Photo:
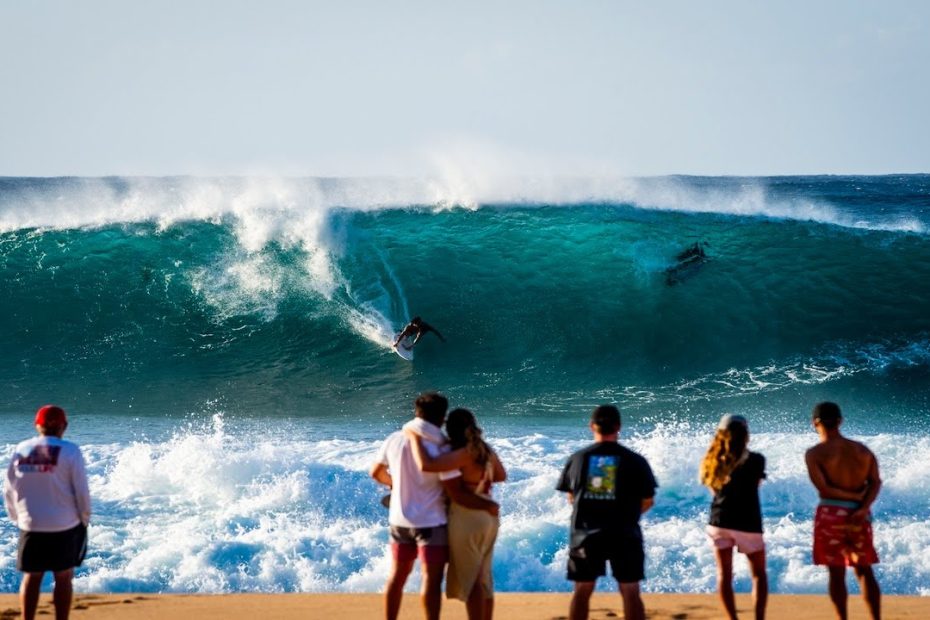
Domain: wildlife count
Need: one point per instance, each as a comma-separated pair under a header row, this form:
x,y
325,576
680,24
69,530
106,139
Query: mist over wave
x,y
288,208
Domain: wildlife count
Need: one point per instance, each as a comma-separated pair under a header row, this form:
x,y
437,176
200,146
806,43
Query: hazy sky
x,y
504,87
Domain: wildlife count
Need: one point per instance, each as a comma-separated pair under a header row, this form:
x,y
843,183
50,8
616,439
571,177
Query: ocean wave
x,y
552,305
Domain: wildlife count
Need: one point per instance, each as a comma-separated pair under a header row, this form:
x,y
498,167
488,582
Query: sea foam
x,y
225,510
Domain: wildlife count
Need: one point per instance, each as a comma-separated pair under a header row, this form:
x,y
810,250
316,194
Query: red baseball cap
x,y
51,416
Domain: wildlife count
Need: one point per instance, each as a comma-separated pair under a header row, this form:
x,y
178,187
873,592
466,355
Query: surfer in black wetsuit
x,y
687,262
692,253
416,327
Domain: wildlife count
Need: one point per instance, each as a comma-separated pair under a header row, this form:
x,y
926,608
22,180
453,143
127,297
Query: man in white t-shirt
x,y
45,493
417,516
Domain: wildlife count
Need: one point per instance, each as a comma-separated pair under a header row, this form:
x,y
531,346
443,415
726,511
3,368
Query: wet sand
x,y
508,607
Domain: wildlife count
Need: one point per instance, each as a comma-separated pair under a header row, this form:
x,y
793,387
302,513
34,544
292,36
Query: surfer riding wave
x,y
415,329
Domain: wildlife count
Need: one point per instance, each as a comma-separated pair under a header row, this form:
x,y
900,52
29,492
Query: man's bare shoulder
x,y
862,449
839,446
847,444
815,451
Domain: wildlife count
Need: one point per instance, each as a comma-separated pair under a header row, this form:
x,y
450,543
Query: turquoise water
x,y
223,348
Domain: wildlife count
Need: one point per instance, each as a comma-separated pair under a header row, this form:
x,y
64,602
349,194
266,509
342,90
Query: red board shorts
x,y
840,542
430,544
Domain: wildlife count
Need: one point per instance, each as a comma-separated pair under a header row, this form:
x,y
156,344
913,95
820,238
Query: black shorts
x,y
51,551
587,561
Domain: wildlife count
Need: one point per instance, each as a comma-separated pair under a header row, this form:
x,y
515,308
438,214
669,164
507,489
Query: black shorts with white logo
x,y
51,551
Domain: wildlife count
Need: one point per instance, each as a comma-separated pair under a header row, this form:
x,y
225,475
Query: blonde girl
x,y
734,474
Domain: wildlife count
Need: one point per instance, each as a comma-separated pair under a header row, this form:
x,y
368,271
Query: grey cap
x,y
729,419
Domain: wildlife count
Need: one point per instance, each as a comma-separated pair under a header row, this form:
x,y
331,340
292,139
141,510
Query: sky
x,y
357,88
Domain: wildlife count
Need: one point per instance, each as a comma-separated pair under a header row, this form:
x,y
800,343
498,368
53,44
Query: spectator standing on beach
x,y
845,473
45,493
609,487
734,474
417,512
472,529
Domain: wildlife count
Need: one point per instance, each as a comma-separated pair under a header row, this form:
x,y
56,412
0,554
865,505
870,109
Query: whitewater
x,y
222,346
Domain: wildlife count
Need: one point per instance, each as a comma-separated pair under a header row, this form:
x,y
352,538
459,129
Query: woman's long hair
x,y
464,433
726,452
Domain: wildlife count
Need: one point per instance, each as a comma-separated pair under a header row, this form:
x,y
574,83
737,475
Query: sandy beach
x,y
509,606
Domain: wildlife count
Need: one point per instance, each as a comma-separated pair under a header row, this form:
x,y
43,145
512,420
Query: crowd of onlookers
x,y
442,511
609,487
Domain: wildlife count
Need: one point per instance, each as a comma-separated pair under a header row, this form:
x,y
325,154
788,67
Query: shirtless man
x,y
845,473
417,327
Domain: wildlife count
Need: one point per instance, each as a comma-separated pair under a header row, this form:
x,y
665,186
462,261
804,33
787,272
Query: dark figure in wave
x,y
415,329
687,263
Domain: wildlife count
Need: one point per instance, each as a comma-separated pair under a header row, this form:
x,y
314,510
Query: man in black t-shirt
x,y
609,487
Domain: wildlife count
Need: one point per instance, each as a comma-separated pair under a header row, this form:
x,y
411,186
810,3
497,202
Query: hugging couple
x,y
427,472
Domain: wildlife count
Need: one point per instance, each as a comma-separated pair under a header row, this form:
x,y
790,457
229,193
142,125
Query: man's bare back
x,y
845,465
843,469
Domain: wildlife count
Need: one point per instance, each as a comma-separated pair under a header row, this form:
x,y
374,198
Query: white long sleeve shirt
x,y
45,488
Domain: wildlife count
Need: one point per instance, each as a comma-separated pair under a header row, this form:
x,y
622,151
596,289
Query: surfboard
x,y
404,349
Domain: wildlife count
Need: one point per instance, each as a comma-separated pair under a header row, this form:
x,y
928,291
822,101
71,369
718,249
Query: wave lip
x,y
290,208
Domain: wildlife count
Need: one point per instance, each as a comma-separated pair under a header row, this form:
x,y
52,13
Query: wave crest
x,y
290,210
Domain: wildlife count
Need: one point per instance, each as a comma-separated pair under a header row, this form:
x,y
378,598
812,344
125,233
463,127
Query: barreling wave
x,y
198,289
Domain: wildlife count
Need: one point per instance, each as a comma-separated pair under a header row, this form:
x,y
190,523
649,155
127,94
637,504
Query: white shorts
x,y
746,542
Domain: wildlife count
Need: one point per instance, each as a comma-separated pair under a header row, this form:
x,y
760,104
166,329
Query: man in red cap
x,y
45,493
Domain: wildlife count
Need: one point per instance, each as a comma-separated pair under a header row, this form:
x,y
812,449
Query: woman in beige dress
x,y
472,533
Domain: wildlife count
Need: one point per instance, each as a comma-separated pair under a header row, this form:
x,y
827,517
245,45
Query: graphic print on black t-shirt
x,y
601,482
608,483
